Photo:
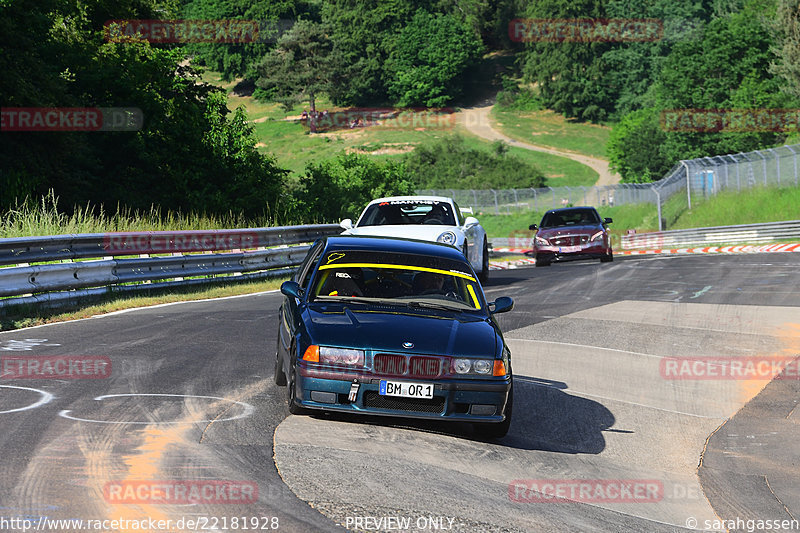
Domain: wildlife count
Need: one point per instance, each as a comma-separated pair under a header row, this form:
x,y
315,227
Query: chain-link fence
x,y
703,177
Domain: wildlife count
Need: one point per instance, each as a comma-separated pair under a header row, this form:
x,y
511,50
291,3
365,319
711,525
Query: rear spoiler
x,y
466,210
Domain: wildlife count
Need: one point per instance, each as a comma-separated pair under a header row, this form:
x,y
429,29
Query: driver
x,y
437,215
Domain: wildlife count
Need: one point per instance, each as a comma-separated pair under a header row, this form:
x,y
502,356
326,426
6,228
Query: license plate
x,y
406,389
570,249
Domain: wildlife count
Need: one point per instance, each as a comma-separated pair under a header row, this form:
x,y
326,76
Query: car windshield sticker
x,y
335,256
399,267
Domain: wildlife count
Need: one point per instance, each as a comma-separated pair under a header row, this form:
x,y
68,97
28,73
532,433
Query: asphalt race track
x,y
190,396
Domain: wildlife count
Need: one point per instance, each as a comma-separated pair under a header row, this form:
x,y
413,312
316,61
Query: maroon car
x,y
571,233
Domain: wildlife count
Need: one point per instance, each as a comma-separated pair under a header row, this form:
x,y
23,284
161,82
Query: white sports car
x,y
427,218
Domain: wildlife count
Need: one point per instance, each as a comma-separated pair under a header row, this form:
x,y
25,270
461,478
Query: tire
x,y
484,275
490,431
541,262
291,391
280,376
608,257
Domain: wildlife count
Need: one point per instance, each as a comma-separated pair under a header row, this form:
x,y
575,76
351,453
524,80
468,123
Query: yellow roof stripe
x,y
399,267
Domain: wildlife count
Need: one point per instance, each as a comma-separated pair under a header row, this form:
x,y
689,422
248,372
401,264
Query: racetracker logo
x,y
55,367
400,118
585,30
71,119
586,490
195,31
189,241
730,120
730,368
180,492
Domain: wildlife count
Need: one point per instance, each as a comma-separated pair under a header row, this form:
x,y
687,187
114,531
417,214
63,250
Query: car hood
x,y
424,232
589,229
431,333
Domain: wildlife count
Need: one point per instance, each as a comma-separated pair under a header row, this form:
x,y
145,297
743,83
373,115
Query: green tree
x,y
300,67
341,187
235,60
634,147
428,59
786,31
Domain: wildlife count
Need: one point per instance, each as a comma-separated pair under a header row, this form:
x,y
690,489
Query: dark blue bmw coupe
x,y
393,327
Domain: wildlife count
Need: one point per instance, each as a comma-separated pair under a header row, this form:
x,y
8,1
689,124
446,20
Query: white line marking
x,y
46,397
592,347
248,409
581,393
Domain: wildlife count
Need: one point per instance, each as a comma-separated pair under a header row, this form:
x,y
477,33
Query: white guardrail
x,y
52,269
740,234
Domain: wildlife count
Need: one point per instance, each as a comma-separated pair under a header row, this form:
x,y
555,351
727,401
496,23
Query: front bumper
x,y
558,253
453,399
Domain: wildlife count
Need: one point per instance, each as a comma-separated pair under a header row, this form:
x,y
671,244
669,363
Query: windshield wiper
x,y
431,305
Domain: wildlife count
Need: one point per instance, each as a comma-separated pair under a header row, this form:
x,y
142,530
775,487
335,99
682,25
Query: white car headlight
x,y
542,242
597,236
341,356
448,237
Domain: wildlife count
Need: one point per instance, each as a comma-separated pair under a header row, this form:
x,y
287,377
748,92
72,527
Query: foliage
x,y
726,68
301,66
341,187
450,164
634,147
786,29
428,58
515,97
186,157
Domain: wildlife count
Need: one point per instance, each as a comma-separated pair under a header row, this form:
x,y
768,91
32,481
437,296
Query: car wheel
x,y
486,430
291,392
484,275
280,376
608,257
541,261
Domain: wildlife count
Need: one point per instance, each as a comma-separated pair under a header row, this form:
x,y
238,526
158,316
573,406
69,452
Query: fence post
x,y
658,203
496,207
688,188
516,200
794,156
554,197
777,165
475,197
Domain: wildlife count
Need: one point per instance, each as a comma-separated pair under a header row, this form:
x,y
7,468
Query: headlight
x,y
598,235
541,242
341,356
483,367
448,237
472,366
462,366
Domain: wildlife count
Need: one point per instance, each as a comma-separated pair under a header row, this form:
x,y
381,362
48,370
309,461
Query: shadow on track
x,y
545,418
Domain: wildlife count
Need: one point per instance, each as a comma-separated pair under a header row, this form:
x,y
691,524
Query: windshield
x,y
400,212
570,217
402,279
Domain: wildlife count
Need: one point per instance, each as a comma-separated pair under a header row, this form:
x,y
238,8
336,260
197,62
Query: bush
x,y
449,163
341,187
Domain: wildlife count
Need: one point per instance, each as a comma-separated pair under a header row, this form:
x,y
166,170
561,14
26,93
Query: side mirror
x,y
608,220
501,305
533,227
346,224
292,288
470,221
